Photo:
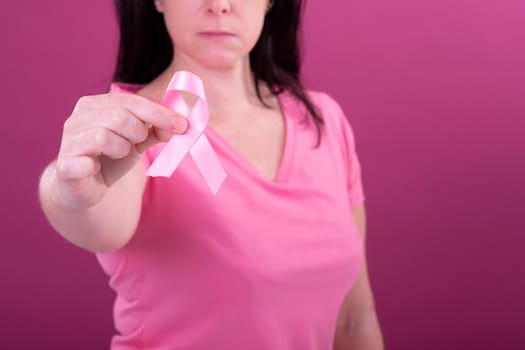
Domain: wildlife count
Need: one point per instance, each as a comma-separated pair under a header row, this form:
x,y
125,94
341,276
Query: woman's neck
x,y
229,92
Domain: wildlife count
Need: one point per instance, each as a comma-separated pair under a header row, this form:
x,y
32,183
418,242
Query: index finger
x,y
148,111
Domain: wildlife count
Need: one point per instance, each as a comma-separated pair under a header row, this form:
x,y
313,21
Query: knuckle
x,y
84,102
118,118
68,124
118,149
63,169
100,137
117,98
134,103
60,167
123,149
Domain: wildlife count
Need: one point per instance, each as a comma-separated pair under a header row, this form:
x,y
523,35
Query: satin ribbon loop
x,y
193,141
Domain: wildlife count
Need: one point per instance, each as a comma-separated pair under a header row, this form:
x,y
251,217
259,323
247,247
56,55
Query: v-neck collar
x,y
284,167
285,163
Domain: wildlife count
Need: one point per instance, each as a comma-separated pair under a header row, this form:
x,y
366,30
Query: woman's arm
x,y
92,193
357,326
103,227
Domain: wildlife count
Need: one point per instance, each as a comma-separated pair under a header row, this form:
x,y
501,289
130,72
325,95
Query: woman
x,y
274,260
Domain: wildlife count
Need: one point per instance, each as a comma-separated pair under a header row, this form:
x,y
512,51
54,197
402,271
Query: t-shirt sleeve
x,y
355,182
347,144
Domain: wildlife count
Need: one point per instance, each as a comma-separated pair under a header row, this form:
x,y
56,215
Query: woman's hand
x,y
102,140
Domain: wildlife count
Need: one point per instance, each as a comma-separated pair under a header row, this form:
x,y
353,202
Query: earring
x,y
270,5
158,6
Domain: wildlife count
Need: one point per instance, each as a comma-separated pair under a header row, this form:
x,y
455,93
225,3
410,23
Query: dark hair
x,y
146,49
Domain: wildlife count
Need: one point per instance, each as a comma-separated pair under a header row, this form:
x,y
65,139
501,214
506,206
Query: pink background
x,y
436,94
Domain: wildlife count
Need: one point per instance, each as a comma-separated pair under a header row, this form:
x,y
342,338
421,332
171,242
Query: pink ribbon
x,y
194,140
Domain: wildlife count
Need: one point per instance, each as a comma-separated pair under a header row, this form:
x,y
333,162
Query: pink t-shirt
x,y
262,264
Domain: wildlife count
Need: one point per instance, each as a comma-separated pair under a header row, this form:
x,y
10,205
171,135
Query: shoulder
x,y
337,125
326,106
324,102
334,117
